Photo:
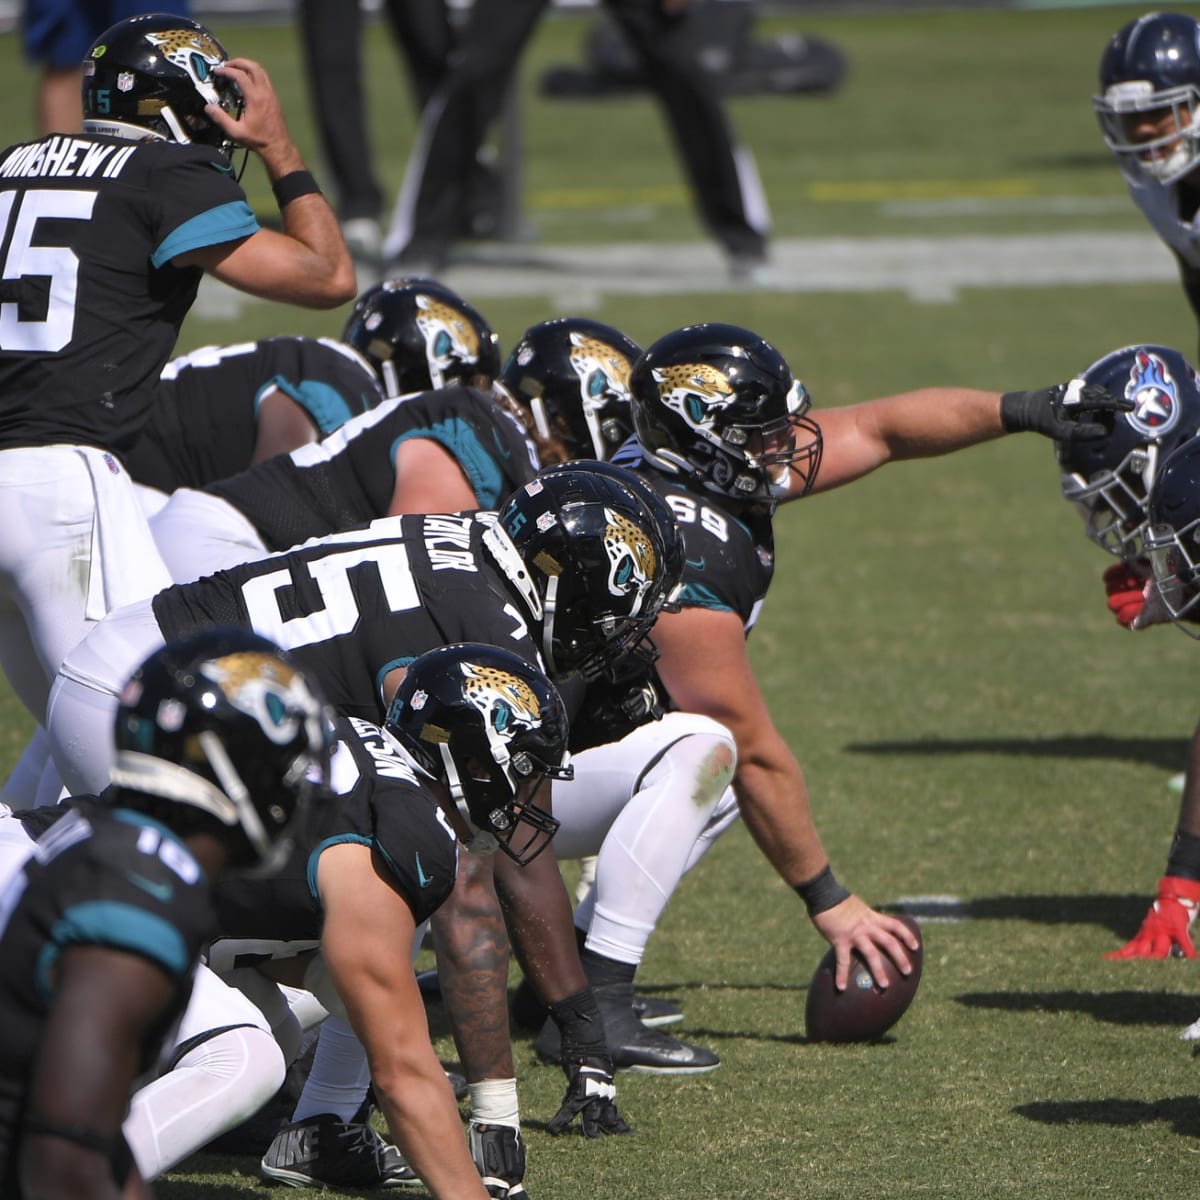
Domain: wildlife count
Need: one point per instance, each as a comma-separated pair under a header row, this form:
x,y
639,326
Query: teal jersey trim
x,y
310,873
225,223
478,465
382,673
696,595
326,405
116,925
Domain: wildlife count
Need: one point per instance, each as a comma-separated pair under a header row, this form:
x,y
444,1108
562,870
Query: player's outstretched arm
x,y
770,786
932,421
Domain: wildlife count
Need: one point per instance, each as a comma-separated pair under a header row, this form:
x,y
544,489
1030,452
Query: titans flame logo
x,y
1154,394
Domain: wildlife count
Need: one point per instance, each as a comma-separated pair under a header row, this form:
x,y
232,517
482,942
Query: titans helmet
x,y
152,76
490,727
1108,479
719,405
417,334
596,561
572,375
1149,97
221,725
1173,535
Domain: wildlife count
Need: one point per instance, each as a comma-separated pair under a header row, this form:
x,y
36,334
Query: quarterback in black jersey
x,y
108,234
219,745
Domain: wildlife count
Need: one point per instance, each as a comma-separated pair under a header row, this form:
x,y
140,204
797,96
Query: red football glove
x,y
1125,586
1164,932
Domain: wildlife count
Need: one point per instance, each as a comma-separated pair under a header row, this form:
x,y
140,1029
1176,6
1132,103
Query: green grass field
x,y
936,649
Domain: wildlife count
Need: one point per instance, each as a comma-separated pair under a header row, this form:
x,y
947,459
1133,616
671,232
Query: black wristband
x,y
294,184
822,892
1184,859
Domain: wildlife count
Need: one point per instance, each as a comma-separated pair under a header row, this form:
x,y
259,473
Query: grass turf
x,y
935,649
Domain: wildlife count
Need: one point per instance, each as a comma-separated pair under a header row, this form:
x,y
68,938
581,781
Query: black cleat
x,y
322,1151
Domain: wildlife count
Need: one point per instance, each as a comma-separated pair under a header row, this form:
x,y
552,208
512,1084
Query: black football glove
x,y
592,1095
499,1154
1068,412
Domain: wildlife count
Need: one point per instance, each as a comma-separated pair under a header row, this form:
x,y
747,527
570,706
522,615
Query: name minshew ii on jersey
x,y
90,306
353,606
99,876
348,477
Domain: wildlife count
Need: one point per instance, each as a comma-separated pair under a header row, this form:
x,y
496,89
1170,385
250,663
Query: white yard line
x,y
927,269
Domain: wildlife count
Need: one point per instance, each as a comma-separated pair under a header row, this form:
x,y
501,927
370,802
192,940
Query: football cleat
x,y
322,1151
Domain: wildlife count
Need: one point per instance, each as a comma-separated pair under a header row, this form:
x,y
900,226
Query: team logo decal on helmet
x,y
696,391
193,51
603,371
508,704
450,339
266,689
632,560
1154,394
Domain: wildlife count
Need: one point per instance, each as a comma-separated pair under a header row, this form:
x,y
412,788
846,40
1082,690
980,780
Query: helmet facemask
x,y
1127,107
1175,557
1112,504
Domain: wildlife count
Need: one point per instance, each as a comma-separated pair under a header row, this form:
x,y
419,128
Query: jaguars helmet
x,y
1108,479
595,558
719,405
490,727
151,76
229,735
572,375
1150,71
417,334
1173,535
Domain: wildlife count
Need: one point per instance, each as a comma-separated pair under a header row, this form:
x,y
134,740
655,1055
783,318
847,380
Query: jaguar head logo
x,y
696,391
450,339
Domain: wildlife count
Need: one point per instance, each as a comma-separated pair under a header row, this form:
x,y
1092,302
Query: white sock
x,y
339,1077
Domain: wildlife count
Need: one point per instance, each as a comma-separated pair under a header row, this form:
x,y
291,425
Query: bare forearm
x,y
473,952
537,911
774,805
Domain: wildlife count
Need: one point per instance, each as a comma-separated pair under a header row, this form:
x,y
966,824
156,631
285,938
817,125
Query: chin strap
x,y
481,842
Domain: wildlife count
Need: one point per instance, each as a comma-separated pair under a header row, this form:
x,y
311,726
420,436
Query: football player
x,y
1148,105
452,445
220,742
1109,481
141,205
470,734
724,433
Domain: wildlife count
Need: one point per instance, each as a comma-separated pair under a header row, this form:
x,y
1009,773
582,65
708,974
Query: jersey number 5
x,y
19,216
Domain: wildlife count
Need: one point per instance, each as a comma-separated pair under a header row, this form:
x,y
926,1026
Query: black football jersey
x,y
377,800
96,877
348,478
352,606
729,559
90,305
204,421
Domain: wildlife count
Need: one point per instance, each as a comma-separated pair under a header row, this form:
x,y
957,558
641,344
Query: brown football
x,y
863,1012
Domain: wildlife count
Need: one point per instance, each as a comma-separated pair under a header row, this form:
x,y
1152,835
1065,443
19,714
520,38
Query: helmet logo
x,y
696,391
194,52
267,690
125,81
631,559
1155,396
508,703
603,371
450,339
